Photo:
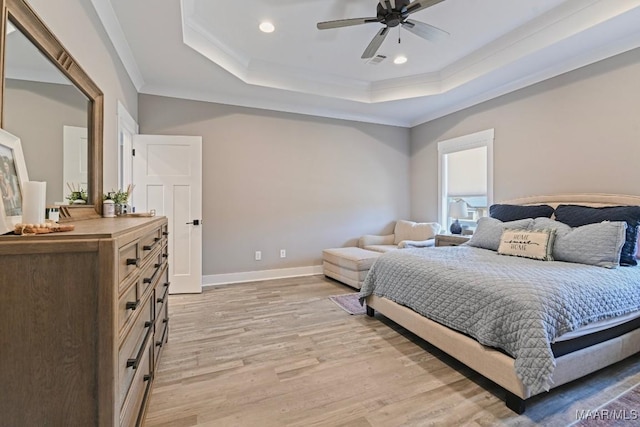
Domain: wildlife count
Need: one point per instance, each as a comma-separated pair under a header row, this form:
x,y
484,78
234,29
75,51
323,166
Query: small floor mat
x,y
349,303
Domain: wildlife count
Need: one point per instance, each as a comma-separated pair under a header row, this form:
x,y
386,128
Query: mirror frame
x,y
26,20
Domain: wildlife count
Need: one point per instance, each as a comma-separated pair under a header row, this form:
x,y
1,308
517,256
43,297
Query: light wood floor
x,y
280,353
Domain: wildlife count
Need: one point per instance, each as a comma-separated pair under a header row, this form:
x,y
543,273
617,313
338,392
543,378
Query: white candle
x,y
34,202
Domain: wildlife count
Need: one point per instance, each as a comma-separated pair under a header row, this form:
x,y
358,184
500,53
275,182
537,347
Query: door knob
x,y
194,222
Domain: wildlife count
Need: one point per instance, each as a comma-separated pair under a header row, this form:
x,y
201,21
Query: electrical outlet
x,y
258,255
283,253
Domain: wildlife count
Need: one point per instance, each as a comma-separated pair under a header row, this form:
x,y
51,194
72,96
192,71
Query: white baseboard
x,y
252,276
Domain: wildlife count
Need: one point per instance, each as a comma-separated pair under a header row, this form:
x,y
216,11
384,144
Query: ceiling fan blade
x,y
375,44
426,31
387,4
344,23
421,4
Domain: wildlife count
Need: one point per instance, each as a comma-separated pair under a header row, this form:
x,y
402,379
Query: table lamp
x,y
457,210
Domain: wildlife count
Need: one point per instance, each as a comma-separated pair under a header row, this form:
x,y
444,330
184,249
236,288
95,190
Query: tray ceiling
x,y
211,51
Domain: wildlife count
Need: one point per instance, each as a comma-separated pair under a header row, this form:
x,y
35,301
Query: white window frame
x,y
467,142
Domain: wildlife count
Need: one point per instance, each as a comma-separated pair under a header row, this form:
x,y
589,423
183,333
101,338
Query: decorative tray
x,y
139,214
49,227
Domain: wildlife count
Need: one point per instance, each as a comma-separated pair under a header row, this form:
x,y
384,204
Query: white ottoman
x,y
348,265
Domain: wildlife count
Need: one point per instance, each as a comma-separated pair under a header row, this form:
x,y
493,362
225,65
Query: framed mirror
x,y
44,87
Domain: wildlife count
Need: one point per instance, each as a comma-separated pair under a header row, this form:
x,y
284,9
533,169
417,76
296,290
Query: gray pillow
x,y
489,231
598,244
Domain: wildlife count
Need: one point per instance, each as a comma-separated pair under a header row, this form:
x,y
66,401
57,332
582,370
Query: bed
x,y
526,333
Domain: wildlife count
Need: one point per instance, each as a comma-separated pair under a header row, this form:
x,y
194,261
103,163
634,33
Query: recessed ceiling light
x,y
267,27
400,60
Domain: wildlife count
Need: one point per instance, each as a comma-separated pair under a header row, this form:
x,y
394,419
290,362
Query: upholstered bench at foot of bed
x,y
348,265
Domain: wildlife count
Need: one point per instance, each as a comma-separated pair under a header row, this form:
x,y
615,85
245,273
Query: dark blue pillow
x,y
576,216
516,212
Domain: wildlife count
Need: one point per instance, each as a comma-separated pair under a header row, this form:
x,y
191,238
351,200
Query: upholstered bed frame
x,y
498,366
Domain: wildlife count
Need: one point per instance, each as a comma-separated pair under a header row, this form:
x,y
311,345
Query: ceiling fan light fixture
x,y
399,60
267,27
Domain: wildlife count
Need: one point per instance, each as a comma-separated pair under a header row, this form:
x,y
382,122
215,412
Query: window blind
x,y
467,172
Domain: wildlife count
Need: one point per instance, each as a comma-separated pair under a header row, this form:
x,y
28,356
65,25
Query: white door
x,y
74,159
127,127
167,174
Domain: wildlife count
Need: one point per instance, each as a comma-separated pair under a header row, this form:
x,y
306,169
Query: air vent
x,y
376,60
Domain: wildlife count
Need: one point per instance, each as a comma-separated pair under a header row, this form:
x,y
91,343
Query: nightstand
x,y
451,239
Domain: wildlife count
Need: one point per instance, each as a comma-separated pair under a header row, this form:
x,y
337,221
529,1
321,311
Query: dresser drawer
x,y
128,262
138,393
128,304
151,241
165,251
131,354
162,294
151,272
161,332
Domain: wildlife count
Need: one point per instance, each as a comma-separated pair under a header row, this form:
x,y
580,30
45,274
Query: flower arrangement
x,y
120,198
77,195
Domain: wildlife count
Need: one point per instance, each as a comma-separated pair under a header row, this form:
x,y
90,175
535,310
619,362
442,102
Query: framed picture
x,y
13,173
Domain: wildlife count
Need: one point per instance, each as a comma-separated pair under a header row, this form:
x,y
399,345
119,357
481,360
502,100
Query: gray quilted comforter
x,y
516,304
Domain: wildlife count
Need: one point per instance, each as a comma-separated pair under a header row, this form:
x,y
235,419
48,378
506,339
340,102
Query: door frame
x,y
127,127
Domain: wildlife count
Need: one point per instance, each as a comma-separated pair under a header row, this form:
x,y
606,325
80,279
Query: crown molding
x,y
110,22
565,21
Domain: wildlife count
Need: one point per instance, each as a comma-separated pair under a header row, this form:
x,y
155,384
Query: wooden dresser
x,y
83,318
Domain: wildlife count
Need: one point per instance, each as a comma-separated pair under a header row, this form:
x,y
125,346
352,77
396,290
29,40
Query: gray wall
x,y
37,113
276,181
578,132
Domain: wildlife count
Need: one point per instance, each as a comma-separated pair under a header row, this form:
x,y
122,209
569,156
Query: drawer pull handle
x,y
165,233
147,378
166,285
133,261
162,339
165,320
165,255
134,363
164,297
150,279
132,305
149,247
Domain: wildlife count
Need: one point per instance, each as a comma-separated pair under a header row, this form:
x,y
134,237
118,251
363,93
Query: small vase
x,y
122,209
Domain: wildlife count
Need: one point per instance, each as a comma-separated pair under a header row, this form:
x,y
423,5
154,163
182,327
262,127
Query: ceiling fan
x,y
392,13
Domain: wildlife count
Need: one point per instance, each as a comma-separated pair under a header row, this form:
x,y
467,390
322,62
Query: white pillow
x,y
417,231
527,244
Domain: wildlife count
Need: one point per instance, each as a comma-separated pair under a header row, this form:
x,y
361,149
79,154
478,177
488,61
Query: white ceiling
x,y
213,51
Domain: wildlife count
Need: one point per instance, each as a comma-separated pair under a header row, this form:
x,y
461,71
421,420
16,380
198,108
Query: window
x,y
466,175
